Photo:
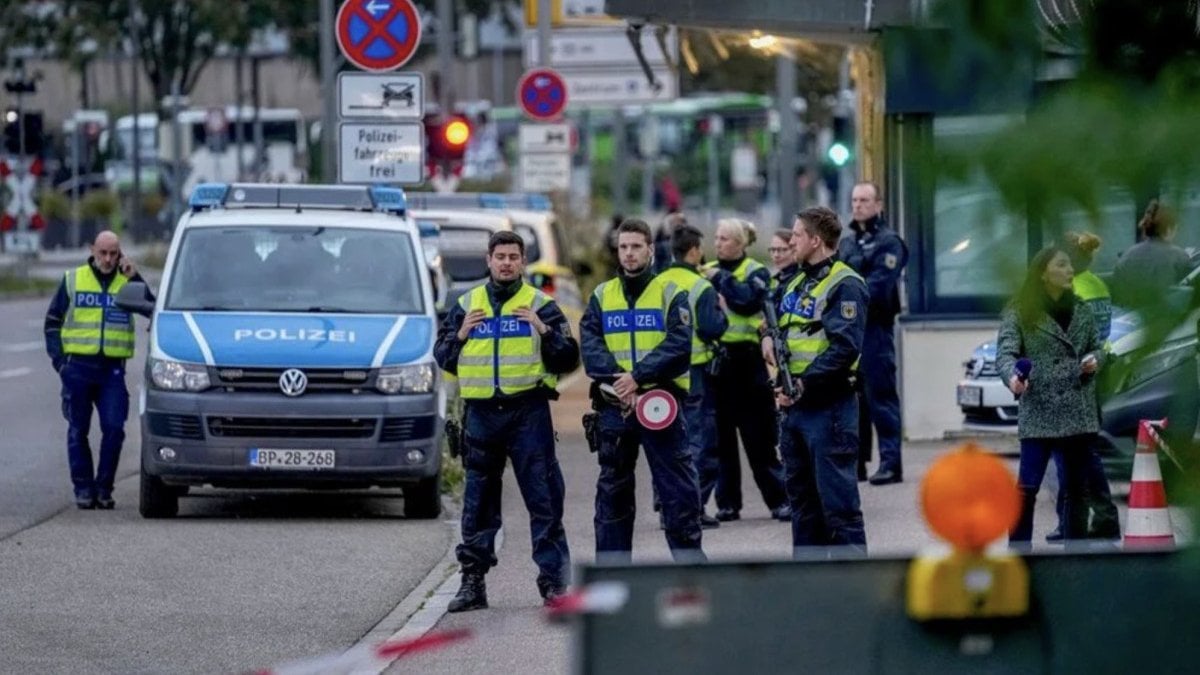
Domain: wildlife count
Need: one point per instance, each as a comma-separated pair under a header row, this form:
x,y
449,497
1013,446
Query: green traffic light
x,y
839,154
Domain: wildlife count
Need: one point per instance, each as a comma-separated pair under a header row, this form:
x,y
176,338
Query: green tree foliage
x,y
176,38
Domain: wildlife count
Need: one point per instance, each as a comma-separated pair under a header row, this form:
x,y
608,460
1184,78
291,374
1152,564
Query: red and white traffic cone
x,y
1149,519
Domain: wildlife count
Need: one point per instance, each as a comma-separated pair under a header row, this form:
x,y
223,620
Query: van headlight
x,y
176,376
416,379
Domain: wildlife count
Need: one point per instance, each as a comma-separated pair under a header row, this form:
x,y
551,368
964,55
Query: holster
x,y
591,430
720,355
455,437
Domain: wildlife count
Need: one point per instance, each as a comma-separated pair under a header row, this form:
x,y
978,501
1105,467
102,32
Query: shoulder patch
x,y
849,310
890,261
685,315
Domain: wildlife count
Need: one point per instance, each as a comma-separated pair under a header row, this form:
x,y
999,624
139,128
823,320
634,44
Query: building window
x,y
979,247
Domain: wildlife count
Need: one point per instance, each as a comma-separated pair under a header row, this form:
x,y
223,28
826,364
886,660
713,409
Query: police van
x,y
292,347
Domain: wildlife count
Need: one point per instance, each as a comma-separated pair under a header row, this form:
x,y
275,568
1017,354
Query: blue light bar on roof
x,y
208,195
389,199
492,201
515,200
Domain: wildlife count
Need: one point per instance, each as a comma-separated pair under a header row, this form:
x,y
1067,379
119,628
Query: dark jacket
x,y
742,297
781,279
844,320
669,360
560,351
57,314
1147,269
879,255
1060,400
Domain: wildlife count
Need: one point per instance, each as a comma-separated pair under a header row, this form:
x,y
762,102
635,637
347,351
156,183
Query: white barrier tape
x,y
1152,429
345,663
601,598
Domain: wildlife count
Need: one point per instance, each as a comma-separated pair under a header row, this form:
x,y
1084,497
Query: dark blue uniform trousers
x,y
878,367
700,412
746,406
520,429
673,472
98,382
820,454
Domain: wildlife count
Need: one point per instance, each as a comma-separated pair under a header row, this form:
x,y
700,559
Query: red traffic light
x,y
456,132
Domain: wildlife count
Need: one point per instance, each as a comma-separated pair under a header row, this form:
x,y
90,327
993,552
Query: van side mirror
x,y
132,298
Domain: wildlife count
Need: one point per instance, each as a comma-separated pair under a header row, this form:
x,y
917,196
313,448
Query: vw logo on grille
x,y
293,382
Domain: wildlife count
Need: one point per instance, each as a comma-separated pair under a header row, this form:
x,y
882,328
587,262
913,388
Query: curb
x,y
424,606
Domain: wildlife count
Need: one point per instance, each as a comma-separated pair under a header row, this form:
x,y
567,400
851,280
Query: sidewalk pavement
x,y
513,635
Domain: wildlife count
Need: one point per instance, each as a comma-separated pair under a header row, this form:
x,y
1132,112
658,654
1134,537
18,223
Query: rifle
x,y
783,357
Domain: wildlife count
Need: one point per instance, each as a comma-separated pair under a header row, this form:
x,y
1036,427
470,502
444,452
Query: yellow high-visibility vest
x,y
94,324
695,284
632,332
802,313
742,328
503,353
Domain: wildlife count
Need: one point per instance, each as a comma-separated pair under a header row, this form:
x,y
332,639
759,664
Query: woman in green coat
x,y
1058,410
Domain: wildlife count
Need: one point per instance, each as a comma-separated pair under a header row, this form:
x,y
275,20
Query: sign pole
x,y
329,133
545,7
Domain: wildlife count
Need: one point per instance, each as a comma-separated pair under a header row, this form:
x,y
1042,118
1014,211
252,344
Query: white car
x,y
981,394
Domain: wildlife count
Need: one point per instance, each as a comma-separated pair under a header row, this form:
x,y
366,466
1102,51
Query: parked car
x,y
1135,385
462,246
547,254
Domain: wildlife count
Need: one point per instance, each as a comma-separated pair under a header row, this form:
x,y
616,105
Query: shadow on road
x,y
286,505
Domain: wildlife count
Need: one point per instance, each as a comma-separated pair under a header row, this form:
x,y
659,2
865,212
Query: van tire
x,y
158,500
424,500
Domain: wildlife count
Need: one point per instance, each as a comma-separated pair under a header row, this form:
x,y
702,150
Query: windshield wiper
x,y
330,309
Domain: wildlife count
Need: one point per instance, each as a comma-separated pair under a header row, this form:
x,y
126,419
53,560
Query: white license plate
x,y
278,458
970,396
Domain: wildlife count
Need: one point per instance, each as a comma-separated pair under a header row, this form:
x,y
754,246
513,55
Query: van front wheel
x,y
423,500
158,500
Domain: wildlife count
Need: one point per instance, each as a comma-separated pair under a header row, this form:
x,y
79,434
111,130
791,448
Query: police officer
x,y
823,318
745,403
507,342
879,255
637,336
708,325
88,339
783,259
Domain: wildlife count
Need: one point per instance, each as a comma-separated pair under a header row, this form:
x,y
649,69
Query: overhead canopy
x,y
850,20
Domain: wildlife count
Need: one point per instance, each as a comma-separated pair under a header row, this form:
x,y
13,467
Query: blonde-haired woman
x,y
745,400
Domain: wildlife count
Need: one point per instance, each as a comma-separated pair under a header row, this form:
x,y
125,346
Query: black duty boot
x,y
471,595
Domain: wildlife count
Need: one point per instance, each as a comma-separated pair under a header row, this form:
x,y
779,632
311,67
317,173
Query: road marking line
x,y
14,372
22,346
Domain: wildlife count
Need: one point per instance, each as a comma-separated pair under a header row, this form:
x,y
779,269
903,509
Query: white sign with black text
x,y
545,172
596,47
381,152
544,138
623,86
382,96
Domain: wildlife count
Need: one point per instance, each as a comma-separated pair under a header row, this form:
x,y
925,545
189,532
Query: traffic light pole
x,y
21,117
785,93
846,172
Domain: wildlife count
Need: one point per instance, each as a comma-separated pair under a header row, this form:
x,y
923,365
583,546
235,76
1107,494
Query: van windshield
x,y
289,269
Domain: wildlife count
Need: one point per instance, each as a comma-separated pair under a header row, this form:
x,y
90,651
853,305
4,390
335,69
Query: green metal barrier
x,y
1089,613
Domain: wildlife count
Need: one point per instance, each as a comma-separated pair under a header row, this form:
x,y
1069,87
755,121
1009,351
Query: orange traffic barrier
x,y
1149,519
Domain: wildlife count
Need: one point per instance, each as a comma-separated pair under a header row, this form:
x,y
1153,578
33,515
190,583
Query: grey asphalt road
x,y
236,583
513,635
